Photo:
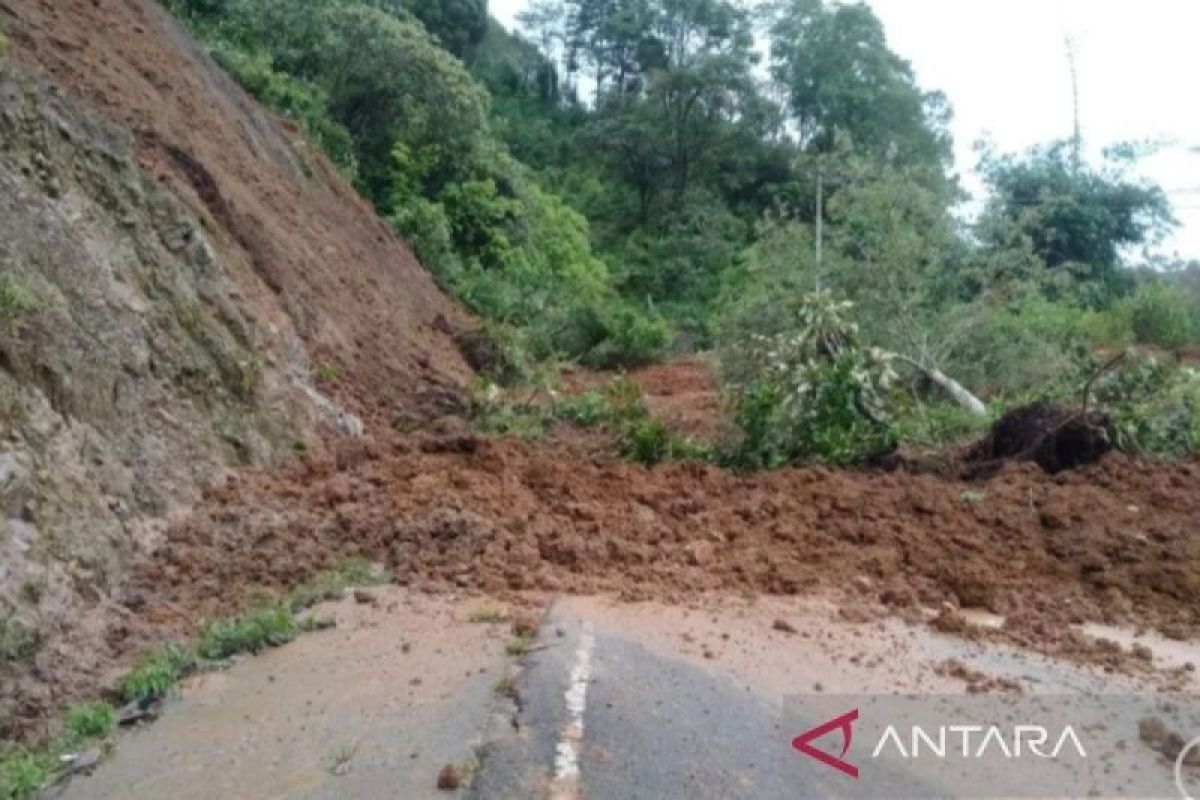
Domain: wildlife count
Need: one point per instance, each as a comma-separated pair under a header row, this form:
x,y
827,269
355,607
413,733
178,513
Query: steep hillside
x,y
186,286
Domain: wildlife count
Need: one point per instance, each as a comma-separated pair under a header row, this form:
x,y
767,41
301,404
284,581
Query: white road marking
x,y
566,755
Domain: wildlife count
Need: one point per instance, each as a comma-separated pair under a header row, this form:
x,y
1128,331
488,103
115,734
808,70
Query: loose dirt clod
x,y
450,778
1157,736
1053,437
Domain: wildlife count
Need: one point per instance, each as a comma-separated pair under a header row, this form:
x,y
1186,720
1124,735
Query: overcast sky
x,y
1003,65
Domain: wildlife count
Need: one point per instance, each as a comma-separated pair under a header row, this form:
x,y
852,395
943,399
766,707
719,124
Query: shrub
x,y
1161,316
813,392
649,442
1154,408
158,674
938,425
18,641
23,773
251,632
90,720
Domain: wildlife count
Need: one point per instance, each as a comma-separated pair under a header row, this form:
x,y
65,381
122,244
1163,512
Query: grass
x,y
518,646
326,372
91,720
23,773
488,615
158,674
507,687
15,300
333,583
251,632
618,407
341,756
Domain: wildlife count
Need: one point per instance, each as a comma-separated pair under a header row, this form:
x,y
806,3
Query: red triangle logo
x,y
844,723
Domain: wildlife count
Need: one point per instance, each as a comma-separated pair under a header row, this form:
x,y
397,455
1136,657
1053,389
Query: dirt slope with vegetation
x,y
186,287
193,288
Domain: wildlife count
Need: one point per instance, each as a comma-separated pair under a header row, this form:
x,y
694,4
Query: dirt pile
x,y
1114,542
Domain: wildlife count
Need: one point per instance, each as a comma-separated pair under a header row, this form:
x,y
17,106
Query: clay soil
x,y
444,508
447,510
1113,542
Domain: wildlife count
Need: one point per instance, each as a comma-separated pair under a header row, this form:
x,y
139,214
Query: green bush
x,y
811,393
938,425
90,720
158,674
649,442
1154,407
1162,316
251,632
23,773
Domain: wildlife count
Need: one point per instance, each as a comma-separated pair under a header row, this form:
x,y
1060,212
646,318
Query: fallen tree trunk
x,y
955,390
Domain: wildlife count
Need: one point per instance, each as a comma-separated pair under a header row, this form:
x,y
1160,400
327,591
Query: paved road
x,y
616,702
705,703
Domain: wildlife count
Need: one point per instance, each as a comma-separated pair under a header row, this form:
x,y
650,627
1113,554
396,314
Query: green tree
x,y
839,75
1077,221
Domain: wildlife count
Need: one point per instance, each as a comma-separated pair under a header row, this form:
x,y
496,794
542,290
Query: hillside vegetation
x,y
617,182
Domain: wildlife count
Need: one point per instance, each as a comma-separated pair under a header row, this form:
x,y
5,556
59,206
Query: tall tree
x,y
835,68
1077,219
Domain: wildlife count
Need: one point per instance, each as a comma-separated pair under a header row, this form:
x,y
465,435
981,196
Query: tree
x,y
1078,221
838,74
458,25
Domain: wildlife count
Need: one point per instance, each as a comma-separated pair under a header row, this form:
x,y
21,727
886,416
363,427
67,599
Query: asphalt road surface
x,y
613,702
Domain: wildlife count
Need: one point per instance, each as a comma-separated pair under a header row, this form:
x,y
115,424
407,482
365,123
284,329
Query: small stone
x,y
784,626
450,778
525,625
365,597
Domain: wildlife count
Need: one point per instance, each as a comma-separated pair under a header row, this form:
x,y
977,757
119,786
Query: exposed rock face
x,y
176,265
130,371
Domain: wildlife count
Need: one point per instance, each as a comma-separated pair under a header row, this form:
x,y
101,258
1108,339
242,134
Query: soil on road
x,y
614,701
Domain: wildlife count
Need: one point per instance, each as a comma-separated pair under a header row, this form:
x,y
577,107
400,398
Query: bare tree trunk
x,y
956,391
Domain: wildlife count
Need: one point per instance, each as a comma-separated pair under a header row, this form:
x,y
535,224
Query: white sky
x,y
1003,65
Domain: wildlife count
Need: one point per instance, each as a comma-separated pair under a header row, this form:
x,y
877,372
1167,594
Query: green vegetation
x,y
332,584
91,720
518,646
326,372
23,772
487,616
615,182
617,408
14,298
406,121
251,632
159,673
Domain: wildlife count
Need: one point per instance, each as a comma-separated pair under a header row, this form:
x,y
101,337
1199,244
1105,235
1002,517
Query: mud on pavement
x,y
1114,542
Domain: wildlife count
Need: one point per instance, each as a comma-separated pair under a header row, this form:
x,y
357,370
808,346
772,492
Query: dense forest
x,y
623,180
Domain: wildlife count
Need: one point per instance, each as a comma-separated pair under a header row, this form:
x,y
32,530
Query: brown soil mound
x,y
1111,542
